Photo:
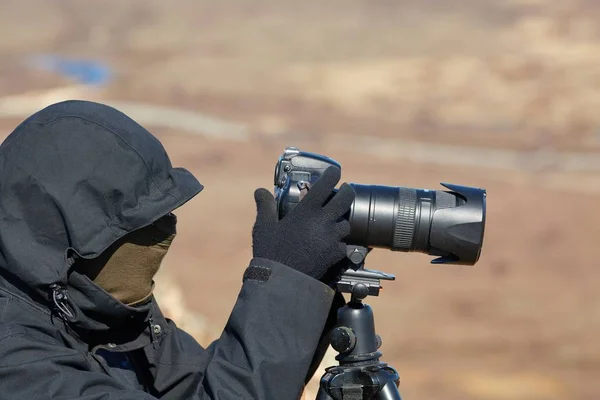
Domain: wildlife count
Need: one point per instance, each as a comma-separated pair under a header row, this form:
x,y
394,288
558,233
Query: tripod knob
x,y
343,339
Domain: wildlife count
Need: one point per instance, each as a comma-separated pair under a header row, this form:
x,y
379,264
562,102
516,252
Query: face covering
x,y
127,268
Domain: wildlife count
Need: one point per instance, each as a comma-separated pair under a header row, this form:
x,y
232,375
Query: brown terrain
x,y
501,95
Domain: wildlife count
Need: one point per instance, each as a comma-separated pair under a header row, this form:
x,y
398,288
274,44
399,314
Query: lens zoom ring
x,y
405,222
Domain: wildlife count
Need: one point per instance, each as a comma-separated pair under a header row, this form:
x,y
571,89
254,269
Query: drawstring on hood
x,y
61,301
152,333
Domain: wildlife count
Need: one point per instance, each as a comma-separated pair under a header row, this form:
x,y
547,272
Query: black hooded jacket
x,y
74,178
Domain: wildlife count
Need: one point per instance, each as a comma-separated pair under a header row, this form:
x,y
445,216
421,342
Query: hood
x,y
74,178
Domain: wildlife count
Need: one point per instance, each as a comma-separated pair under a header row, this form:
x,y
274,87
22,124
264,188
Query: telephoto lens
x,y
448,224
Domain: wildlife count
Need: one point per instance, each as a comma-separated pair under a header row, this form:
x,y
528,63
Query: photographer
x,y
86,209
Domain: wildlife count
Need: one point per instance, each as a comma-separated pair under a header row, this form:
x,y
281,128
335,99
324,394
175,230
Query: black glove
x,y
310,237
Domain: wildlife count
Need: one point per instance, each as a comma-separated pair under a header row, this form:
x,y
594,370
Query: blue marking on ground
x,y
88,72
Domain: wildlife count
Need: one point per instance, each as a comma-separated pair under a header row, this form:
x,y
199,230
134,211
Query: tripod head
x,y
357,280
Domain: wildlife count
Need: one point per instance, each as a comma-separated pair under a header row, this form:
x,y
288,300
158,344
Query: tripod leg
x,y
322,395
389,392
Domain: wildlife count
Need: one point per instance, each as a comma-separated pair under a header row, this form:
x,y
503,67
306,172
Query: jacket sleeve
x,y
32,366
266,349
338,302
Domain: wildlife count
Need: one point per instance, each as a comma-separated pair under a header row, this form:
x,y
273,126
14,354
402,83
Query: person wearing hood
x,y
87,198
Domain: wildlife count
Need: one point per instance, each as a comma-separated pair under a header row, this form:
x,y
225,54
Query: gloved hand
x,y
310,237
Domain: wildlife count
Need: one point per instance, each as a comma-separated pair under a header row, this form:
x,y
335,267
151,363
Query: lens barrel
x,y
448,224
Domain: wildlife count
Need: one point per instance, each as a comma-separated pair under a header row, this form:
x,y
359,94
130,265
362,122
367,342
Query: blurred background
x,y
496,94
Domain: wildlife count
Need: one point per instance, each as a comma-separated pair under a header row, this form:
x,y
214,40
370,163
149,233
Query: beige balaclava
x,y
127,268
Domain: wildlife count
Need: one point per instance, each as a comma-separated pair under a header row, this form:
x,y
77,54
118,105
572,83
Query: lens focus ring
x,y
405,222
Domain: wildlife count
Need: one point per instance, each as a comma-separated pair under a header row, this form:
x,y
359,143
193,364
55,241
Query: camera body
x,y
295,172
447,224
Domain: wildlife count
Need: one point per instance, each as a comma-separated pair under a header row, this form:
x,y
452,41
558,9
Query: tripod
x,y
359,375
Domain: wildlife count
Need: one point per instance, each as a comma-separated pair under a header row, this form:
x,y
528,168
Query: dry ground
x,y
524,322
